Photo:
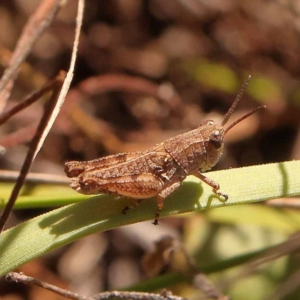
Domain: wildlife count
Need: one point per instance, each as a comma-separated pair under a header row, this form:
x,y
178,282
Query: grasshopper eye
x,y
207,122
216,139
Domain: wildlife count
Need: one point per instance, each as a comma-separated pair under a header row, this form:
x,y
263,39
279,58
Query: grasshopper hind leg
x,y
161,197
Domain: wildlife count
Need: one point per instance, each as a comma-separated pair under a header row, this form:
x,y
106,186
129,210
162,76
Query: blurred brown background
x,y
146,71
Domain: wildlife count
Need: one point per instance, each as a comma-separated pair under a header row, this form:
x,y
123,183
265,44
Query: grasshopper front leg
x,y
215,186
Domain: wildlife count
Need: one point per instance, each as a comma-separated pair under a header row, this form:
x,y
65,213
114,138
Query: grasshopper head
x,y
214,144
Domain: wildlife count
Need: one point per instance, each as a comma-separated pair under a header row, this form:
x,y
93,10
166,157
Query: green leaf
x,y
59,227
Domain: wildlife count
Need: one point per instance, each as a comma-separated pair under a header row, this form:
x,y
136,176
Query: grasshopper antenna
x,y
236,101
243,117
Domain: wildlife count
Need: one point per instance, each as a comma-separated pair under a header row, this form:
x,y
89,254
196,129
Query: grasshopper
x,y
160,170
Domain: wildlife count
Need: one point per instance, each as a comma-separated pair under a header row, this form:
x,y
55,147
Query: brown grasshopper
x,y
160,170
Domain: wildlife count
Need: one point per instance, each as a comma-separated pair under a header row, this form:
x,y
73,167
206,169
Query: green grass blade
x,y
40,195
47,232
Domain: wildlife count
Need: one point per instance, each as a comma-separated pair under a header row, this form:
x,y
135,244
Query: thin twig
x,y
201,281
19,277
27,101
35,26
24,133
8,176
52,109
35,96
32,149
133,296
69,77
123,295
